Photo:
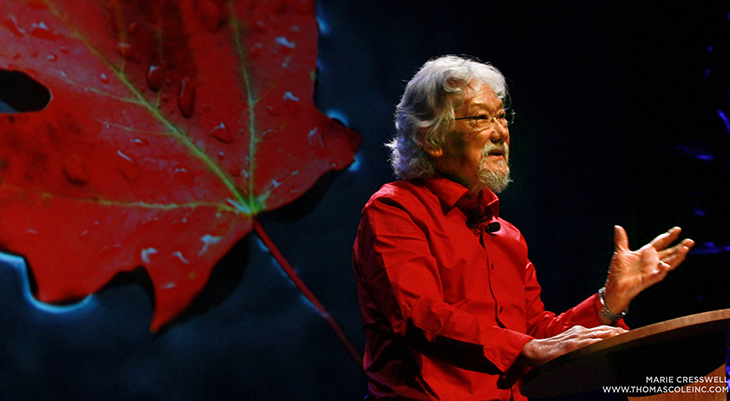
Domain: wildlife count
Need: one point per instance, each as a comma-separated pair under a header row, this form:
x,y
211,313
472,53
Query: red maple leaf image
x,y
170,125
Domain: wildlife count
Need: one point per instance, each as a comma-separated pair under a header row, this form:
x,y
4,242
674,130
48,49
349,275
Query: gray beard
x,y
496,180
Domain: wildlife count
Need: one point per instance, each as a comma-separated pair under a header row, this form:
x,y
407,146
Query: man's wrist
x,y
604,310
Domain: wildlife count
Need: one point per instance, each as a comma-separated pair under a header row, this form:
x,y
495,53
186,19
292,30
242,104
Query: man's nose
x,y
500,132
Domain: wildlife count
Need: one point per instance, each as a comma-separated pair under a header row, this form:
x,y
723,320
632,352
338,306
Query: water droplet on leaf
x,y
222,134
13,27
147,253
183,176
127,167
75,170
155,78
126,51
179,257
41,31
316,141
133,28
186,99
208,240
285,42
291,103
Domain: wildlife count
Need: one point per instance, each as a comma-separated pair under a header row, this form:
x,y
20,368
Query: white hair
x,y
425,114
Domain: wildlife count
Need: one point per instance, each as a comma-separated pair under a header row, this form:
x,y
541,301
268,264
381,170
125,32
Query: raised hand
x,y
631,272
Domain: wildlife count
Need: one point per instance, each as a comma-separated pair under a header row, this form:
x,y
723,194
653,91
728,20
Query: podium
x,y
678,359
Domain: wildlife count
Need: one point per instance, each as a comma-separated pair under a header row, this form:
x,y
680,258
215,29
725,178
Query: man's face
x,y
476,153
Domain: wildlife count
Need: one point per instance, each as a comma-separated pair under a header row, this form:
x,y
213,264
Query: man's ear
x,y
433,151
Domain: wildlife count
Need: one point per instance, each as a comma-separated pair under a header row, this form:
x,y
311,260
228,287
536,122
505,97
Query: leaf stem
x,y
304,290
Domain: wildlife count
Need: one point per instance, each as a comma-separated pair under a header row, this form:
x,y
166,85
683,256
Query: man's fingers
x,y
665,254
674,258
594,335
620,238
675,255
539,351
599,332
607,331
665,239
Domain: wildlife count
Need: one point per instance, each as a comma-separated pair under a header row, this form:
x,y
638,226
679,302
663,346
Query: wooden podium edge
x,y
682,327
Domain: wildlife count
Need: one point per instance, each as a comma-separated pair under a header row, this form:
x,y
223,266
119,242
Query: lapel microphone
x,y
476,221
492,227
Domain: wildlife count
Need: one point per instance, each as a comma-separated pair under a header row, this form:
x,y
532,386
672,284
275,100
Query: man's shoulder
x,y
404,192
400,189
396,189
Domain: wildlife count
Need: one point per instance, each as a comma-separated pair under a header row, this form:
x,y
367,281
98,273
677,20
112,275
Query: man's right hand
x,y
539,351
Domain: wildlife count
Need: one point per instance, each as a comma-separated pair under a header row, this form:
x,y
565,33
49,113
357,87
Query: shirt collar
x,y
453,194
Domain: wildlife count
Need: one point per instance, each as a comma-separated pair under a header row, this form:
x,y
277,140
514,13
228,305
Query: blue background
x,y
621,120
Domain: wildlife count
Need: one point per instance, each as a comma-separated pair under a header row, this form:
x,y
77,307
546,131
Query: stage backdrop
x,y
622,119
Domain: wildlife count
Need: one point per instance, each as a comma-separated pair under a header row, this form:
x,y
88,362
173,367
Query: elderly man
x,y
450,301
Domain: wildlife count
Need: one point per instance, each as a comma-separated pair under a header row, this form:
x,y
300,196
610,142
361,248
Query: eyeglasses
x,y
505,117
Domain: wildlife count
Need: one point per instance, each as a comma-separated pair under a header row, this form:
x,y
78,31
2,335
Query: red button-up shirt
x,y
448,301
